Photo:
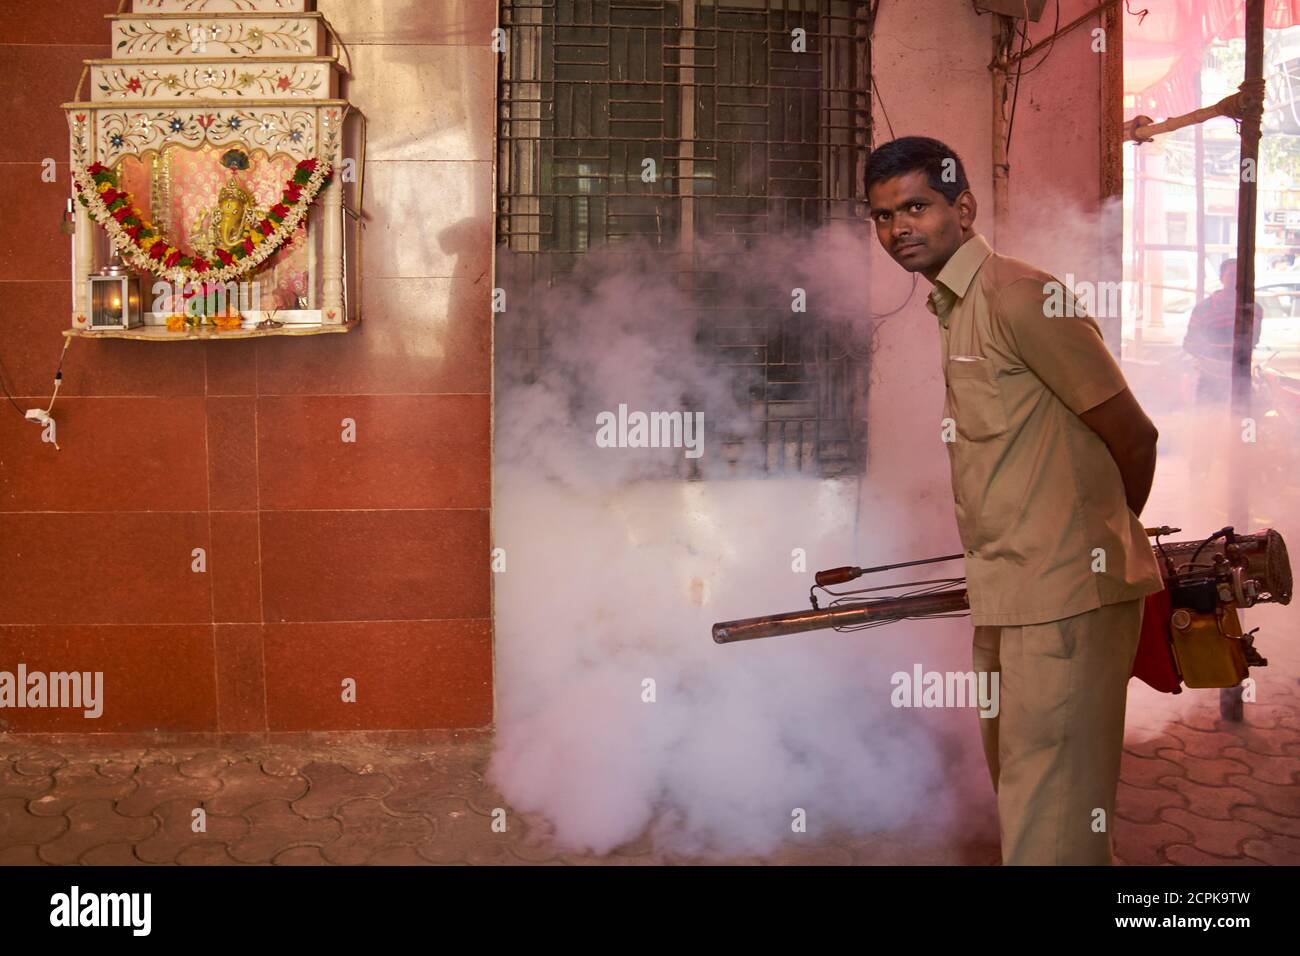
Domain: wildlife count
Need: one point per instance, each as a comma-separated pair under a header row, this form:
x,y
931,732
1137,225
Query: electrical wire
x,y
936,587
1023,29
932,584
1140,14
846,628
4,374
1015,97
58,373
875,87
1056,27
1221,533
58,382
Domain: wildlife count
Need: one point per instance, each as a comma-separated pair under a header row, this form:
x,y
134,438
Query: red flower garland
x,y
119,206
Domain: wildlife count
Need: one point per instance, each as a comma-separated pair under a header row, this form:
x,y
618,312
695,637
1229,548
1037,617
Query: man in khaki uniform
x,y
1052,460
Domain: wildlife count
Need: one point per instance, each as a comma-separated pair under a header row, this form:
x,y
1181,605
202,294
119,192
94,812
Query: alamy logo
x,y
948,689
80,690
651,430
102,909
1078,299
206,298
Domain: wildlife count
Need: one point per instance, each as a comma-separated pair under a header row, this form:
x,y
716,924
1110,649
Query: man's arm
x,y
1131,438
1070,357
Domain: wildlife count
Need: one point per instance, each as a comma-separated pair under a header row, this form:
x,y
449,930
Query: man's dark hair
x,y
909,154
1223,266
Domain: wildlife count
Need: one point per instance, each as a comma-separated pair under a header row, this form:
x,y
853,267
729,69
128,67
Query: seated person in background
x,y
1209,335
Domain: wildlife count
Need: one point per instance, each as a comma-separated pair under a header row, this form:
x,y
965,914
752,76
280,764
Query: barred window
x,y
756,117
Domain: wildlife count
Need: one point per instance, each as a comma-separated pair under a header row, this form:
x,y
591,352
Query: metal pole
x,y
1110,251
1252,91
1252,110
1199,179
1139,242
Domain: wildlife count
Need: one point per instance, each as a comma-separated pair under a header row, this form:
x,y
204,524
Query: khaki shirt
x,y
1040,502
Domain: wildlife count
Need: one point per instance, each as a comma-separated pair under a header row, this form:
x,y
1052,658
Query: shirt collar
x,y
957,274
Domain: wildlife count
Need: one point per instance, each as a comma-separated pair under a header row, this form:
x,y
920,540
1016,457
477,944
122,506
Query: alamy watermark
x,y
79,690
1079,298
626,429
946,689
205,298
75,908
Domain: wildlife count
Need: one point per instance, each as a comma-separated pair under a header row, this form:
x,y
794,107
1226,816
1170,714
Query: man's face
x,y
916,225
1229,277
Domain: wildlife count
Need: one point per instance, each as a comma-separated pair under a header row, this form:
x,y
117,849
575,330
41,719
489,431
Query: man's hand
x,y
1131,438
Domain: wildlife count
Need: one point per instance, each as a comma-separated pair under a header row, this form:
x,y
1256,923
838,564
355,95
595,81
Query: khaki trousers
x,y
1054,748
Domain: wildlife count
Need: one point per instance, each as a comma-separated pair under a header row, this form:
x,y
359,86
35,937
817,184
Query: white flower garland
x,y
133,255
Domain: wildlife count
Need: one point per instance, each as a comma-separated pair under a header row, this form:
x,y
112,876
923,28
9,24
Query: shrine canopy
x,y
1165,43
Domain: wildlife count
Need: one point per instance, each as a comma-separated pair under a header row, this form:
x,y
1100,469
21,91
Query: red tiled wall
x,y
326,560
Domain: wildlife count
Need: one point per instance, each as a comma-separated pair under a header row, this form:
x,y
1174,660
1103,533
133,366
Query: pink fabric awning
x,y
1163,49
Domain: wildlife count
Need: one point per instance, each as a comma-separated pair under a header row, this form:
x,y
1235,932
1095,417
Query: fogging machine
x,y
1191,633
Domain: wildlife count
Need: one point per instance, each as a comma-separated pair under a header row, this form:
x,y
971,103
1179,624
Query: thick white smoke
x,y
616,569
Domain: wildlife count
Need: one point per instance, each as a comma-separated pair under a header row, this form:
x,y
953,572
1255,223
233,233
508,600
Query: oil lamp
x,y
114,298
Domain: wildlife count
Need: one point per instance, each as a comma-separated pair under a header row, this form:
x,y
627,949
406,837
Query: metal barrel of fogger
x,y
851,615
1263,555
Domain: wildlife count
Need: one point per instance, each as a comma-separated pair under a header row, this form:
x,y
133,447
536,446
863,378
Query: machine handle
x,y
837,576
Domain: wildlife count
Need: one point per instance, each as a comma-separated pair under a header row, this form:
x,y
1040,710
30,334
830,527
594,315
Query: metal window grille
x,y
748,137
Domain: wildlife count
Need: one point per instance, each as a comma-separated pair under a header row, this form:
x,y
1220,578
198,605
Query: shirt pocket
x,y
975,398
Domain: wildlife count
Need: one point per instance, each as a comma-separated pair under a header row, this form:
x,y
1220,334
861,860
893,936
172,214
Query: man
x,y
1210,332
1052,461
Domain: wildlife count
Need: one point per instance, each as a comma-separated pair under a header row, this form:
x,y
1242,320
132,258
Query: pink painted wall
x,y
936,82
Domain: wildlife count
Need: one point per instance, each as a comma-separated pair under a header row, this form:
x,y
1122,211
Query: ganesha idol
x,y
224,225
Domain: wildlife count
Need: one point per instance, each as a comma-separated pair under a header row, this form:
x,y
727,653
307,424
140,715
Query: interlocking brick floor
x,y
314,805
1194,790
1201,790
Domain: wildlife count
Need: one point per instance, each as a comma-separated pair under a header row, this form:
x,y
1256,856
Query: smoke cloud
x,y
617,715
